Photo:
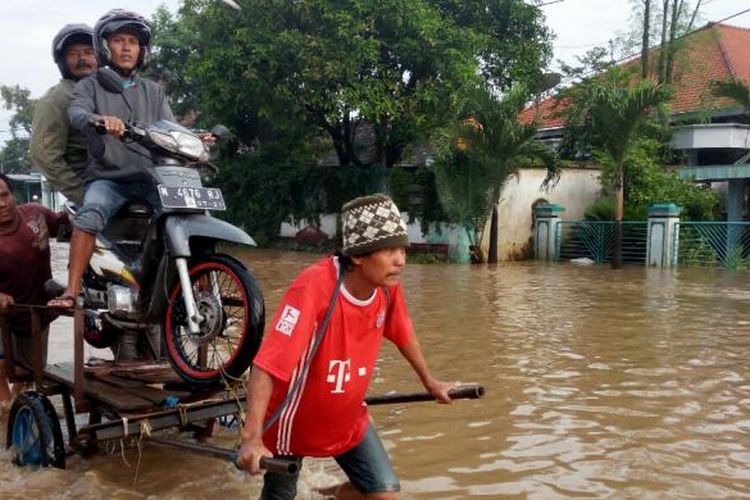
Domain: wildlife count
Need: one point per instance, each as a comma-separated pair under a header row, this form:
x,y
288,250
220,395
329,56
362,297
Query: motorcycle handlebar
x,y
98,125
131,131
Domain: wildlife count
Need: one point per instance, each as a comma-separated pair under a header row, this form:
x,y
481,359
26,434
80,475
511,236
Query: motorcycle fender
x,y
179,230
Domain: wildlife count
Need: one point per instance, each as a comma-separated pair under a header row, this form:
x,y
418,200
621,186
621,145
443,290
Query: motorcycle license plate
x,y
191,197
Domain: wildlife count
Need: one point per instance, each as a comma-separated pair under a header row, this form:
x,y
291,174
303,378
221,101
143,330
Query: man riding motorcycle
x,y
117,171
155,275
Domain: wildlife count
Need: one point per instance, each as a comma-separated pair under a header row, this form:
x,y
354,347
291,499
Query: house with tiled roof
x,y
713,133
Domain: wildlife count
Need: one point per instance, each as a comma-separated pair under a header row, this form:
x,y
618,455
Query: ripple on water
x,y
631,384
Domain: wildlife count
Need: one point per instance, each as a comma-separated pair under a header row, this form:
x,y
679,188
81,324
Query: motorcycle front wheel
x,y
230,303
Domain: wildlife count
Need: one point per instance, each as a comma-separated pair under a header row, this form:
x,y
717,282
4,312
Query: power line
x,y
733,16
635,55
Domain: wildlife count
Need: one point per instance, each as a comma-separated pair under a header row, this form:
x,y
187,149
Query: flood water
x,y
626,384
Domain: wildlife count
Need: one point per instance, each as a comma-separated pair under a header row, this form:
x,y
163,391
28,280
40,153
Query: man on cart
x,y
24,269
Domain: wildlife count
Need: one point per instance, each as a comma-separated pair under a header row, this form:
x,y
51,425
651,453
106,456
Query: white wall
x,y
446,235
577,189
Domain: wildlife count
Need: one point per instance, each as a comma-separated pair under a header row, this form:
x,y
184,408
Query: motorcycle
x,y
156,278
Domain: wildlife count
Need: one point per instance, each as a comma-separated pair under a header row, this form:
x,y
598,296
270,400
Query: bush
x,y
414,190
277,183
647,183
603,209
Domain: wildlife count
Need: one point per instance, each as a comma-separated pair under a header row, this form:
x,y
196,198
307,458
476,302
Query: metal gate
x,y
595,240
712,244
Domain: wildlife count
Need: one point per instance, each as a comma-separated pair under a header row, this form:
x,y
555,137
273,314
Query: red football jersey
x,y
328,415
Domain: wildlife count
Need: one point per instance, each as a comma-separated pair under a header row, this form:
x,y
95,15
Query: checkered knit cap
x,y
372,223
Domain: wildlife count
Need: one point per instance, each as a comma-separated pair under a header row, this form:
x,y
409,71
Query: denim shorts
x,y
22,348
104,198
366,465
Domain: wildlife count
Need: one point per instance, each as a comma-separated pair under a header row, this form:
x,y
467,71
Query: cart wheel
x,y
34,432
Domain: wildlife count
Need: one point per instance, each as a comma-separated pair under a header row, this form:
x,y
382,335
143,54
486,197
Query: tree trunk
x,y
342,137
381,138
668,70
646,39
664,47
619,209
695,14
492,252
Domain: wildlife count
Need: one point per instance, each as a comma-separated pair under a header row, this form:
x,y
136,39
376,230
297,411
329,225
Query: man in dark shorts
x,y
306,397
24,267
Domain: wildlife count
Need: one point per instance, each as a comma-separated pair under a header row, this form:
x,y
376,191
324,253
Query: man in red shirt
x,y
24,264
310,377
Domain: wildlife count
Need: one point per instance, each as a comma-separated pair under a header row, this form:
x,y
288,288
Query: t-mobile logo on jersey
x,y
339,372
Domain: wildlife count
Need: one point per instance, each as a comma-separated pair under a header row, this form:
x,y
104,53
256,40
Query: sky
x,y
27,28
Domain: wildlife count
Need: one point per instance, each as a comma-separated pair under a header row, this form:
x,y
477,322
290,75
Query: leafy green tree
x,y
613,110
358,78
647,182
515,43
658,23
14,156
17,99
488,144
461,182
398,66
332,66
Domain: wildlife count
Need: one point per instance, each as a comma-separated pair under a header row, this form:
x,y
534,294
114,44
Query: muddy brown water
x,y
600,384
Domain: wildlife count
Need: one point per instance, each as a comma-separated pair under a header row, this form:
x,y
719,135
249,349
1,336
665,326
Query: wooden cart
x,y
118,400
124,401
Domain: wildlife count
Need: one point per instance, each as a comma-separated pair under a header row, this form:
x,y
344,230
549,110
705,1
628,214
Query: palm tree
x,y
488,144
616,109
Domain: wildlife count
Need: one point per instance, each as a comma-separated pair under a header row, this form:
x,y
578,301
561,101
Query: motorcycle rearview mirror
x,y
110,80
220,132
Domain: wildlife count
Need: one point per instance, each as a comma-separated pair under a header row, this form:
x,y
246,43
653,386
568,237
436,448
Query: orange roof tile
x,y
714,52
546,112
737,43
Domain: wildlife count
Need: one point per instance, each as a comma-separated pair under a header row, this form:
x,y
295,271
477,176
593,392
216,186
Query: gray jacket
x,y
110,158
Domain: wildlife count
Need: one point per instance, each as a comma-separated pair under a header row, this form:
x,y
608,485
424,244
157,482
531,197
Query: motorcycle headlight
x,y
164,140
190,146
187,145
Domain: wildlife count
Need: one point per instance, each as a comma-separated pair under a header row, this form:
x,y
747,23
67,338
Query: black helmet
x,y
69,34
116,20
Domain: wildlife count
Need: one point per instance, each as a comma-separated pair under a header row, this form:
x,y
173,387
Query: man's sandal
x,y
63,302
